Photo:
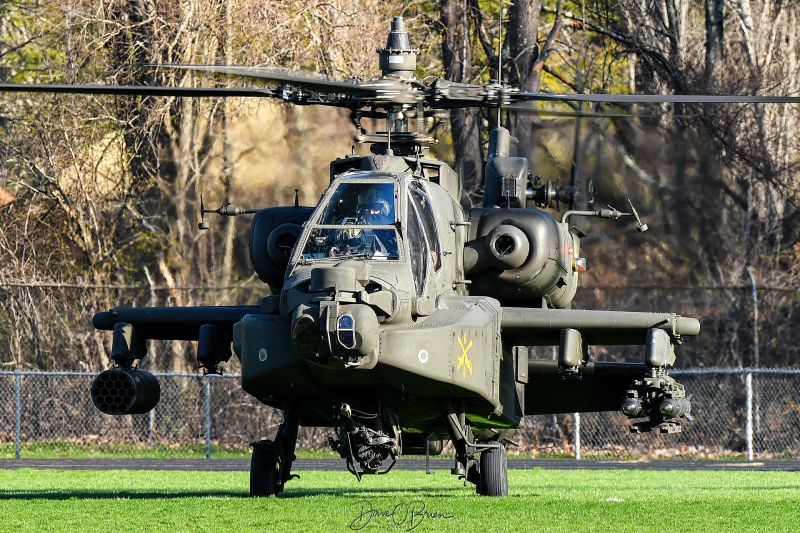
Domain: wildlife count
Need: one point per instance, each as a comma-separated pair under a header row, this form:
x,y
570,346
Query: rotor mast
x,y
398,61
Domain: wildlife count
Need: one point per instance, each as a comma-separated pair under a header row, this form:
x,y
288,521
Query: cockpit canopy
x,y
358,221
361,203
376,216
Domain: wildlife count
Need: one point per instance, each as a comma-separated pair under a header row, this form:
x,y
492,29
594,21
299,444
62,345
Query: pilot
x,y
372,210
346,242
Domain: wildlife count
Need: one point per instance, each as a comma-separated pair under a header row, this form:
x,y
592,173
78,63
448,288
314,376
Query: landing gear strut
x,y
490,474
271,464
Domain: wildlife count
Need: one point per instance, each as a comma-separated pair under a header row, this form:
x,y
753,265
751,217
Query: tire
x,y
263,470
494,472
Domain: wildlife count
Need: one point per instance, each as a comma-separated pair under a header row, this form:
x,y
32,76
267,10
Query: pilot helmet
x,y
373,207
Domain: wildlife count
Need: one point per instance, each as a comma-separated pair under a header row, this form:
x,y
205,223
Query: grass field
x,y
540,500
73,450
69,450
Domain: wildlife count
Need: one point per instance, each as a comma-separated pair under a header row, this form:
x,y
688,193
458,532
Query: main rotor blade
x,y
298,79
381,93
135,90
655,98
575,114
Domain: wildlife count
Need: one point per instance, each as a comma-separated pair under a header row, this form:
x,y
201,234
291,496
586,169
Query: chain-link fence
x,y
30,336
747,413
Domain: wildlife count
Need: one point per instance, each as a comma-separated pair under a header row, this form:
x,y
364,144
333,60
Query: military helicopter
x,y
396,317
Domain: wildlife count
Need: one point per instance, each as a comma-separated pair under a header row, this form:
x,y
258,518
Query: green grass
x,y
540,500
73,450
70,450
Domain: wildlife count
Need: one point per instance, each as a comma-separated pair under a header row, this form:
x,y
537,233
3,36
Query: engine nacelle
x,y
273,234
125,391
517,255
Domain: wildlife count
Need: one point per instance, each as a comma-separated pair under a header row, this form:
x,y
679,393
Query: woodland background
x,y
107,189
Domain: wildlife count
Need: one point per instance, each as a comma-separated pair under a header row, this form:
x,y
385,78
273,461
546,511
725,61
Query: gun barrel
x,y
542,327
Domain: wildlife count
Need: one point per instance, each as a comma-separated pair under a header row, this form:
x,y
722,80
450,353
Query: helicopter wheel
x,y
264,470
493,472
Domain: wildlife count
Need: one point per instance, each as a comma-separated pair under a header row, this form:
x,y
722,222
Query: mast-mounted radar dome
x,y
398,59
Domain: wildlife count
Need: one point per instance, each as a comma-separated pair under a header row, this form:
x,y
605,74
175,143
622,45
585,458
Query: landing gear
x,y
490,473
271,464
264,470
493,471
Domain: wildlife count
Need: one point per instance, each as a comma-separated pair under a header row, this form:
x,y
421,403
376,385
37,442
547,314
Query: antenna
x,y
500,58
226,210
641,228
203,225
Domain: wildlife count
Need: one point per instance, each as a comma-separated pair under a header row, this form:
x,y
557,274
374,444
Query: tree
x,y
455,20
722,178
109,187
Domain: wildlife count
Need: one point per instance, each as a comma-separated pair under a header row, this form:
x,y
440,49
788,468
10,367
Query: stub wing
x,y
524,326
211,326
174,323
573,383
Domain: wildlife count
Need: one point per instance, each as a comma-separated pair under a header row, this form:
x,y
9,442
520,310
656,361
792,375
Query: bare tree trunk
x,y
464,123
129,51
523,27
750,43
230,222
715,12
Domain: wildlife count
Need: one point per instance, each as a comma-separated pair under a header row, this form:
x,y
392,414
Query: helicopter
x,y
397,317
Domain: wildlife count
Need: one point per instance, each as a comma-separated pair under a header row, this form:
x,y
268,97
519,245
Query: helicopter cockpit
x,y
387,222
358,221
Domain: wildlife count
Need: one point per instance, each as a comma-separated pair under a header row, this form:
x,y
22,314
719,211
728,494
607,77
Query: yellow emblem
x,y
464,360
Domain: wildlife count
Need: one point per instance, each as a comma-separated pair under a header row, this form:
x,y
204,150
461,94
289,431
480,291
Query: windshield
x,y
360,203
370,243
364,214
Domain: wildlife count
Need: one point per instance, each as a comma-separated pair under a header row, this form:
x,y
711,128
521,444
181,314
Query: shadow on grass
x,y
387,491
115,495
49,494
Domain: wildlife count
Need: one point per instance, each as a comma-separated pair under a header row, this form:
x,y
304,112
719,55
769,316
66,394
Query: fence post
x,y
577,436
755,317
757,416
749,428
208,416
17,412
